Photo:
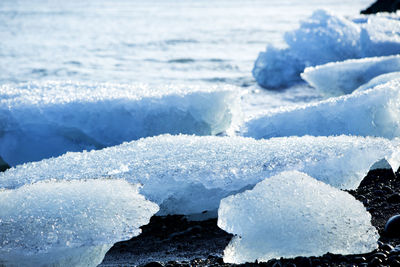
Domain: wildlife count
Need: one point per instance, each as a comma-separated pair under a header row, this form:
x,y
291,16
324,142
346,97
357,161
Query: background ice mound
x,y
325,38
41,120
291,215
344,77
189,174
374,112
381,79
68,223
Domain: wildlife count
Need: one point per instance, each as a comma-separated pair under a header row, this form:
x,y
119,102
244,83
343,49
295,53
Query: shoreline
x,y
175,241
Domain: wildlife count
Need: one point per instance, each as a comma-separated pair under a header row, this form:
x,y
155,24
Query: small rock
x,y
153,264
382,6
380,255
360,259
394,198
386,247
375,262
3,165
387,189
303,261
379,193
392,227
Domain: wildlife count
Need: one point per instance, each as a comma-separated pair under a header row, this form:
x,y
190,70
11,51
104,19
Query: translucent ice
x,y
292,214
190,174
325,38
68,223
41,120
374,112
344,77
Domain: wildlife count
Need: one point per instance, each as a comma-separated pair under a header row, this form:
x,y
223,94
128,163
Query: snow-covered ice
x,y
190,174
374,112
44,119
337,78
68,223
324,38
292,214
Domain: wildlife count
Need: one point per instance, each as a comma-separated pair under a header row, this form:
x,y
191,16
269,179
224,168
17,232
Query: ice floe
x,y
291,215
44,119
374,112
191,174
324,38
68,223
337,78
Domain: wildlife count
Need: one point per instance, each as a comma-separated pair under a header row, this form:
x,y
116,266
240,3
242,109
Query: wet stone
x,y
153,264
394,198
392,227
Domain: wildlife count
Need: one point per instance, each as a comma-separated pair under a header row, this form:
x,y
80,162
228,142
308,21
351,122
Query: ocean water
x,y
154,41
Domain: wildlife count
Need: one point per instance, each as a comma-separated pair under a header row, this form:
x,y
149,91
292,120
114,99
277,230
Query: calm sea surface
x,y
153,41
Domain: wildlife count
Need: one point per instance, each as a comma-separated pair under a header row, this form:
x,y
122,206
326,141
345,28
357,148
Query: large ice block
x,y
338,78
373,112
191,174
68,223
292,214
45,119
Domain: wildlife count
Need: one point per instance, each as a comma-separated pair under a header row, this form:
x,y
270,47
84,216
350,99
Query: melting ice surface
x,y
190,174
292,214
44,119
68,223
325,38
374,112
344,77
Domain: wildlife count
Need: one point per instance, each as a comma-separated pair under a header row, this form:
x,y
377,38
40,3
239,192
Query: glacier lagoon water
x,y
152,41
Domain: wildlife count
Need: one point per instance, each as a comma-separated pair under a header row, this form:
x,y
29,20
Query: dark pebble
x,y
303,261
394,263
387,189
386,247
379,193
375,262
392,227
380,255
153,264
394,198
277,264
360,259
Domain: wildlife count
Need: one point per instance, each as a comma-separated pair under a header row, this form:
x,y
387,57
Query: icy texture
x,y
68,223
190,174
381,79
344,77
325,38
292,214
41,120
374,112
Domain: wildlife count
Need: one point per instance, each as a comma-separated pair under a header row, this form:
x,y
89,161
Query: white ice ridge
x,y
374,112
191,174
325,38
292,214
69,223
337,78
44,119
